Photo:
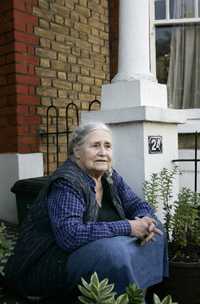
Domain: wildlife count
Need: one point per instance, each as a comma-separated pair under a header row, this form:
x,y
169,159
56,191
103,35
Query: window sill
x,y
192,124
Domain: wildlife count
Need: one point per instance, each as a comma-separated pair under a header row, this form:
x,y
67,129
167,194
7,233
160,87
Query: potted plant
x,y
181,218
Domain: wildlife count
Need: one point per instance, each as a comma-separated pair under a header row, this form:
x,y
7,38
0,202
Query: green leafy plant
x,y
135,294
101,292
96,291
159,190
151,189
186,226
166,300
181,215
4,245
166,194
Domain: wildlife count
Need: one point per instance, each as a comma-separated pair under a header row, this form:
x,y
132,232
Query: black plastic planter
x,y
26,191
183,284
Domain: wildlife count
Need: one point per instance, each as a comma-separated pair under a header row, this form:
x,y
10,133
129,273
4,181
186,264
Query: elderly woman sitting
x,y
87,219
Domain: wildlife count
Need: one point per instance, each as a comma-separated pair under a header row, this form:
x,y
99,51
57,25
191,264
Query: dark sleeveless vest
x,y
36,235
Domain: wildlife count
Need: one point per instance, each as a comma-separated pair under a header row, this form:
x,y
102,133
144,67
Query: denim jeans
x,y
122,260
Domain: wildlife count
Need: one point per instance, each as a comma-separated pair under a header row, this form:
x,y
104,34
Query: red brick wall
x,y
7,88
19,121
74,62
51,53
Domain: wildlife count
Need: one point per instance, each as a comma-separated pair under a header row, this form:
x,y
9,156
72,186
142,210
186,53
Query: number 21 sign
x,y
155,144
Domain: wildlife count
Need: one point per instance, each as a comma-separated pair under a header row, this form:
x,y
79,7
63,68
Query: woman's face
x,y
95,154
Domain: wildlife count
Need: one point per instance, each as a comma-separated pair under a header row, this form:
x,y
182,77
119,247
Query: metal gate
x,y
195,160
68,130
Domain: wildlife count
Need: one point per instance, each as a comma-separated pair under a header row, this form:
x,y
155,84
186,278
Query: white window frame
x,y
167,21
193,114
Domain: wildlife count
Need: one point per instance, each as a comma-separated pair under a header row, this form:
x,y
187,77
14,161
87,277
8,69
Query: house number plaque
x,y
155,144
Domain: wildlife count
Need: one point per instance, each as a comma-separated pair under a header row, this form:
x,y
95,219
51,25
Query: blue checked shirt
x,y
66,208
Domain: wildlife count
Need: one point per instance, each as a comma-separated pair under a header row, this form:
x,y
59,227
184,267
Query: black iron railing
x,y
68,130
195,160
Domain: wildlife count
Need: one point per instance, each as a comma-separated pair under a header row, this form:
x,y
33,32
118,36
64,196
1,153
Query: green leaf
x,y
108,301
94,280
97,292
135,294
89,294
167,300
103,283
156,299
94,289
85,284
84,300
107,297
107,289
122,299
112,301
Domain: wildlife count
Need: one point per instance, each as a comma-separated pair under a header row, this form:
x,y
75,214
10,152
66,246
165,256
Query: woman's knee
x,y
114,252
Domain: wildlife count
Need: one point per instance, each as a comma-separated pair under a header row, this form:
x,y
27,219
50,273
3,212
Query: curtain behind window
x,y
184,69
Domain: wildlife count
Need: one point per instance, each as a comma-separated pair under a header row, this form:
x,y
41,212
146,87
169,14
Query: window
x,y
175,49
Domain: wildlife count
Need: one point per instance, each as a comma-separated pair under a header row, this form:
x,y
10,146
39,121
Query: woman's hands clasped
x,y
144,229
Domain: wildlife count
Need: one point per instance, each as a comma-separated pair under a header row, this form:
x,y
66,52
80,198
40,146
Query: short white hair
x,y
81,132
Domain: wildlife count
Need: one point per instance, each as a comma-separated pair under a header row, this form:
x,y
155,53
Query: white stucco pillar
x,y
134,84
133,55
134,105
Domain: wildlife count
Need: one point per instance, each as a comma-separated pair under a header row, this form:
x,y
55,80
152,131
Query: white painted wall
x,y
131,155
128,153
156,162
12,168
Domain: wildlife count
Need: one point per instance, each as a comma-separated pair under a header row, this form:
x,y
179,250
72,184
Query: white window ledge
x,y
192,124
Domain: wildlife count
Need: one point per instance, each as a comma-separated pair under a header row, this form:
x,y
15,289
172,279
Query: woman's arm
x,y
66,208
144,223
133,205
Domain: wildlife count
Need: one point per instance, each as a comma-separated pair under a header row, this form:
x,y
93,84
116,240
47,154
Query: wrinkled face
x,y
95,154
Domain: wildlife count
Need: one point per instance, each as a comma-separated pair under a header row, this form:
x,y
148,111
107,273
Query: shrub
x,y
4,246
181,215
